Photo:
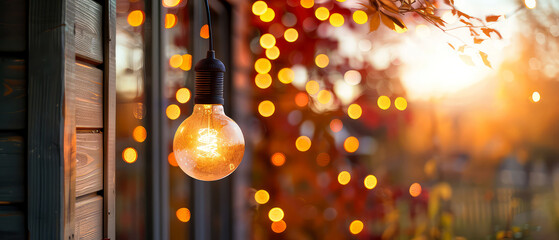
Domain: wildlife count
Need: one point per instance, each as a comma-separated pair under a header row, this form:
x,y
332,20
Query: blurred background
x,y
350,134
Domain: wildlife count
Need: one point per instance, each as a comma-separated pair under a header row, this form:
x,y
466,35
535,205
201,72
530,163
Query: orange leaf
x,y
389,5
467,59
484,58
492,18
478,40
393,23
374,22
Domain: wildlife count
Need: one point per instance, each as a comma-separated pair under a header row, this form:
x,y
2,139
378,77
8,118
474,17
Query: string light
x,y
336,20
263,81
266,108
170,20
275,214
291,35
286,75
530,4
205,32
175,61
351,144
170,3
536,97
301,99
262,65
322,13
136,18
303,143
186,64
344,177
171,159
356,227
272,53
259,8
415,189
261,196
129,155
370,182
267,41
354,111
278,159
279,226
400,103
383,102
268,16
139,134
183,95
360,17
324,96
321,60
173,111
312,87
183,214
307,3
336,125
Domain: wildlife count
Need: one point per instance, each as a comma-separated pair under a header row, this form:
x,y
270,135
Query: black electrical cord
x,y
209,25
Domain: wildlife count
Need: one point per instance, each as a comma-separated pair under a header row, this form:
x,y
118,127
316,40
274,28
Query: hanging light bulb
x,y
208,145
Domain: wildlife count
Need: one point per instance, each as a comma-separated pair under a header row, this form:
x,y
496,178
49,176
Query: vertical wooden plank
x,y
89,163
13,93
89,41
89,218
89,96
109,40
13,26
12,168
51,124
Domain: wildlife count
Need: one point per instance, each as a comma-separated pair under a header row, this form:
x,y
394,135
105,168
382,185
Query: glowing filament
x,y
208,143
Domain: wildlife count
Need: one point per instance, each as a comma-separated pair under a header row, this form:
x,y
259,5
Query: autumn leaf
x,y
374,23
488,31
492,18
484,58
368,8
461,48
393,23
478,40
389,5
451,46
467,59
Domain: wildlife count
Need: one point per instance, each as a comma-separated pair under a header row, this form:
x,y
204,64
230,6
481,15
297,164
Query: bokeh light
x,y
267,41
344,177
169,3
415,189
351,144
301,99
336,125
291,35
352,77
268,16
278,159
279,226
173,111
383,102
259,8
175,61
272,53
183,214
183,95
186,62
321,60
263,81
356,227
139,134
172,160
354,111
336,20
401,103
261,196
307,3
531,4
275,214
129,155
266,108
205,31
286,75
370,181
323,159
536,97
136,18
303,143
322,13
170,20
312,87
262,65
324,96
360,17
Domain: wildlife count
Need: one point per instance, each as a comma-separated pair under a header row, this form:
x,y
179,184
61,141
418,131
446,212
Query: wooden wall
x,y
57,116
13,118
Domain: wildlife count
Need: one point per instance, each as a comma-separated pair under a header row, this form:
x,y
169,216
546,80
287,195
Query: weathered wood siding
x,y
89,163
89,96
89,218
13,118
89,37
